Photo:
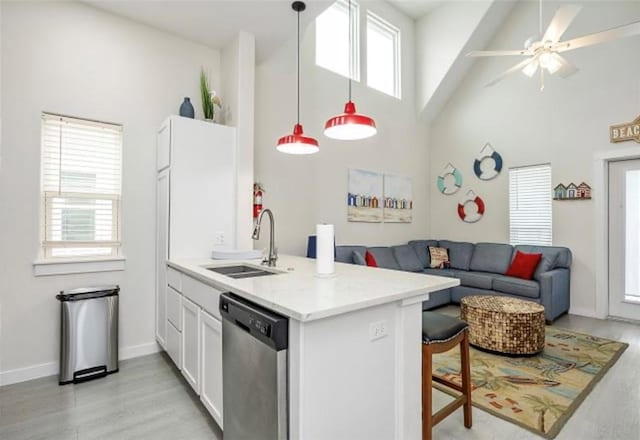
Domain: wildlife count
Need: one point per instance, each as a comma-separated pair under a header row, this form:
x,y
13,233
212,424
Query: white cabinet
x,y
174,344
162,237
174,308
196,200
163,156
191,343
211,354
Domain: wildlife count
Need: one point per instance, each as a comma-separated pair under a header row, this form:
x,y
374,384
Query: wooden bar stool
x,y
441,333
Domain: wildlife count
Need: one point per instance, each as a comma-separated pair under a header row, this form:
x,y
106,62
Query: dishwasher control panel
x,y
265,325
259,325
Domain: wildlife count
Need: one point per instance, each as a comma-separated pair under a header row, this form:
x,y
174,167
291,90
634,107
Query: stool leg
x,y
427,391
466,378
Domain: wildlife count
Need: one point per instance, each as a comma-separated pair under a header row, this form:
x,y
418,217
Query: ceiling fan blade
x,y
497,53
566,69
561,22
628,30
515,68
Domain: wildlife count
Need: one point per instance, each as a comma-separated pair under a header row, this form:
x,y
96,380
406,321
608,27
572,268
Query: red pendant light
x,y
297,142
350,125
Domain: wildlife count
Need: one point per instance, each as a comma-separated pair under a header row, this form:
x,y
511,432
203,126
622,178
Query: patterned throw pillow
x,y
439,257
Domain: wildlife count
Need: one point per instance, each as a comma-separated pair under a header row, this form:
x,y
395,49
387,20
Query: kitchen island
x,y
354,342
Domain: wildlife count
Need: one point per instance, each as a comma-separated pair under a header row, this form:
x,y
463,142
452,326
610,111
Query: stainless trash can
x,y
88,333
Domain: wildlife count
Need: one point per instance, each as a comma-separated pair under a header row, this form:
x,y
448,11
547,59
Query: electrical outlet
x,y
378,330
220,238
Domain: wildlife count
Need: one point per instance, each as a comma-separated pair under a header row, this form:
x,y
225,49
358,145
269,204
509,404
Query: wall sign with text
x,y
626,132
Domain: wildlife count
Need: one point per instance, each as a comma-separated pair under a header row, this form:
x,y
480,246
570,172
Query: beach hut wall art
x,y
572,192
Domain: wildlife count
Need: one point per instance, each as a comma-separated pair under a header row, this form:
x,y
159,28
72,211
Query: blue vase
x,y
186,109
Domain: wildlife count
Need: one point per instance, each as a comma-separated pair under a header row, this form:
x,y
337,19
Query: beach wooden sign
x,y
625,132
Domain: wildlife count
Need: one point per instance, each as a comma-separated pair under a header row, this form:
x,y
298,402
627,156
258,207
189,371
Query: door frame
x,y
601,182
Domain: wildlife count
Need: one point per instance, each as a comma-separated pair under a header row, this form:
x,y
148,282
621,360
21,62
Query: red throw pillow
x,y
523,265
370,259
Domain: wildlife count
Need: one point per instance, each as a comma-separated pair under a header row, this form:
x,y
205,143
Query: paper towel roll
x,y
325,264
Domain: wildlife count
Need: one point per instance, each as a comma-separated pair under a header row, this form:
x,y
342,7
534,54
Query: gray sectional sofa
x,y
480,268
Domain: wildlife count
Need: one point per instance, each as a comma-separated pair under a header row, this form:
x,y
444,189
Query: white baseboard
x,y
52,368
139,350
28,373
589,313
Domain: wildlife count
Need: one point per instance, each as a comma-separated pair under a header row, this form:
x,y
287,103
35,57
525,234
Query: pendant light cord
x,y
298,60
350,49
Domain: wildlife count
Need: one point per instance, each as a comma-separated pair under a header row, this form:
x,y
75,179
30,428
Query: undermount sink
x,y
240,271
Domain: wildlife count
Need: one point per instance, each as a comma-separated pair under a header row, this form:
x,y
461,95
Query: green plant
x,y
205,94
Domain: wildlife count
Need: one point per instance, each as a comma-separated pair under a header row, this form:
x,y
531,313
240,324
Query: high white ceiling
x,y
215,23
416,8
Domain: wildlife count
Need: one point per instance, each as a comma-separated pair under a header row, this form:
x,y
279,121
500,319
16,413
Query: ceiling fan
x,y
543,52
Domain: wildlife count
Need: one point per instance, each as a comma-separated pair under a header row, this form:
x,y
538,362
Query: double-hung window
x,y
383,55
530,216
81,187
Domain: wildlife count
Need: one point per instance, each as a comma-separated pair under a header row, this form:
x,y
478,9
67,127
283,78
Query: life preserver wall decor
x,y
448,189
471,208
487,154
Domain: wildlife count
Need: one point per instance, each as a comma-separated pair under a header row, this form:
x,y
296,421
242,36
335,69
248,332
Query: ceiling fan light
x,y
531,68
297,143
350,125
549,62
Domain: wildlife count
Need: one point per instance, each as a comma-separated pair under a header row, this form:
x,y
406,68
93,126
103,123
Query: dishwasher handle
x,y
265,325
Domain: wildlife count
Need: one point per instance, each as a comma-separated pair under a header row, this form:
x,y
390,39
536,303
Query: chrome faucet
x,y
273,254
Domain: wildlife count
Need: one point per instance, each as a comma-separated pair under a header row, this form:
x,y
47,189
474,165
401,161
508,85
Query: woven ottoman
x,y
504,325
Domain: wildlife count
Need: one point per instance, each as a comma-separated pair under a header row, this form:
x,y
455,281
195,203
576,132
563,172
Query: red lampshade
x,y
350,125
297,143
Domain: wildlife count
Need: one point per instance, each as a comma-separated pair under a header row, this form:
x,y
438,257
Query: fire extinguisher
x,y
257,199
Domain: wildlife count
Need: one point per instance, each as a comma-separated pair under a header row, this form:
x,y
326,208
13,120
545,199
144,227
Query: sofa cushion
x,y
384,257
344,254
421,248
440,272
516,286
358,259
459,253
491,257
407,258
480,280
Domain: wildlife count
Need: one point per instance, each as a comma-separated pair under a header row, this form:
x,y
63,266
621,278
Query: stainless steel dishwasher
x,y
254,370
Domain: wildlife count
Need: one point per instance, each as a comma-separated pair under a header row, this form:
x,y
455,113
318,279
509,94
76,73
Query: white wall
x,y
564,125
79,61
306,190
238,91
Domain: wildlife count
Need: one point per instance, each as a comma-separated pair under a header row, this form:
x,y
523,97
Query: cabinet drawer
x,y
174,279
174,345
174,302
205,296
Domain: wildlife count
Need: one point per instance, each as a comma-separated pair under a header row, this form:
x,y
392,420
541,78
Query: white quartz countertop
x,y
298,293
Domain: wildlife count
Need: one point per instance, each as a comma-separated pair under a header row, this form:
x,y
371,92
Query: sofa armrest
x,y
555,292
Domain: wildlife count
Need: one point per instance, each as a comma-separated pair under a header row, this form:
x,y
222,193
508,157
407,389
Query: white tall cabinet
x,y
196,212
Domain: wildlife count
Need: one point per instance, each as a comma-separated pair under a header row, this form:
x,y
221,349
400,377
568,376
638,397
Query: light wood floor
x,y
148,399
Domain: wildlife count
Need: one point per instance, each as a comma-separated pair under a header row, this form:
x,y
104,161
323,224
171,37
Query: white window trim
x,y
78,266
376,20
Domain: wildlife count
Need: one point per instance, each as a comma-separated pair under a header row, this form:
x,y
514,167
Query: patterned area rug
x,y
538,393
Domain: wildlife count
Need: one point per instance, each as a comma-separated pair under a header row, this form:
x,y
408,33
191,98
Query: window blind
x,y
81,187
530,216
